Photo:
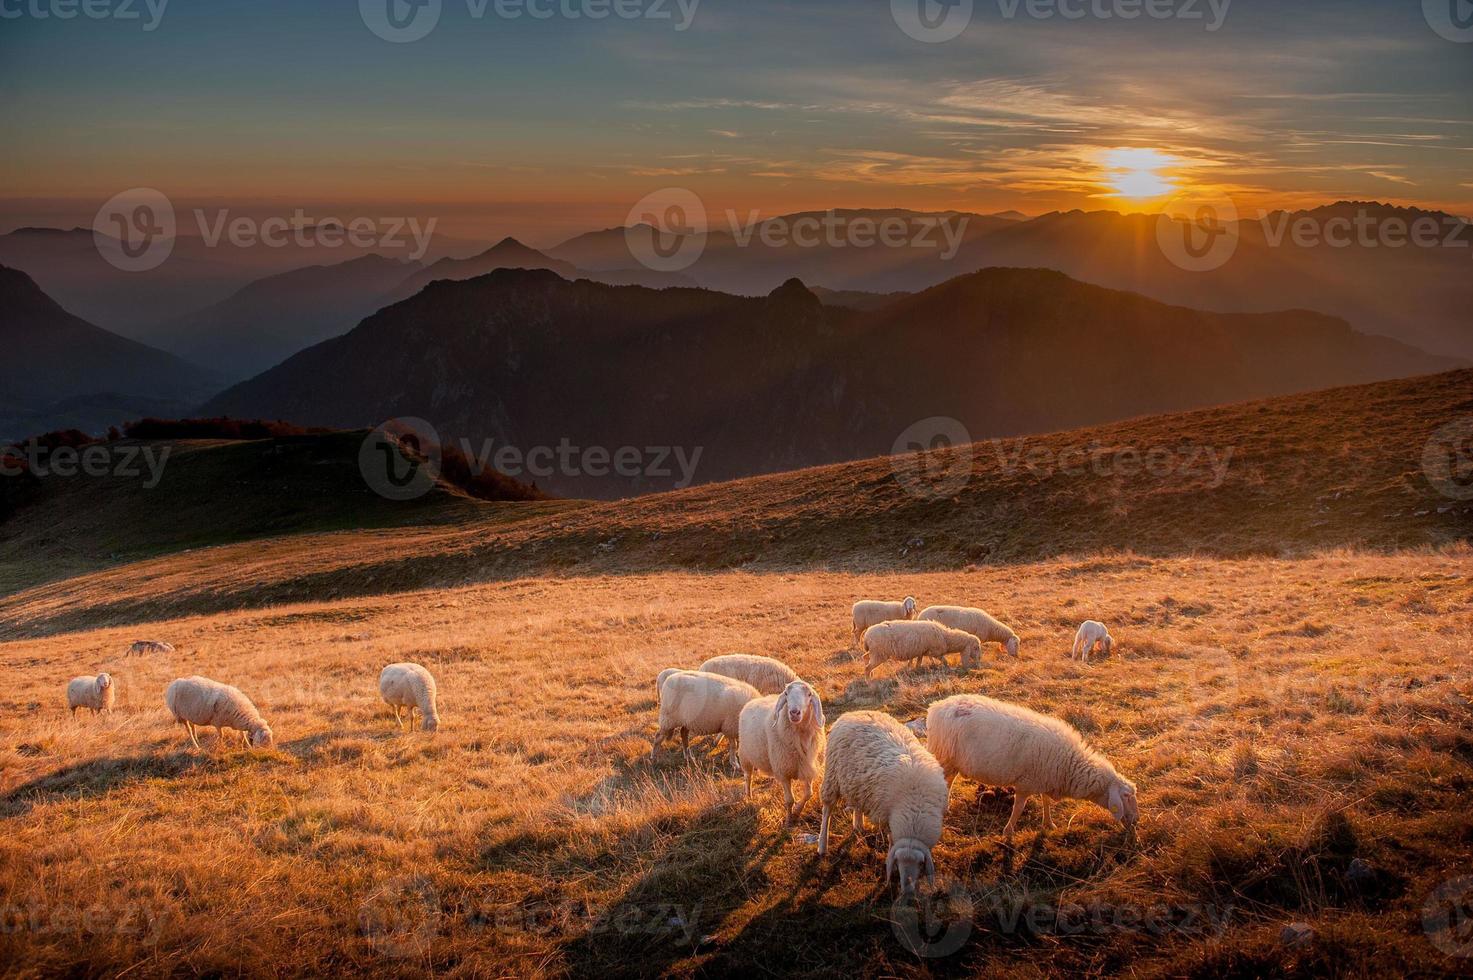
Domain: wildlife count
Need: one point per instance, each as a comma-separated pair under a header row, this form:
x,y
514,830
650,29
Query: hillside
x,y
270,319
1287,476
68,372
528,359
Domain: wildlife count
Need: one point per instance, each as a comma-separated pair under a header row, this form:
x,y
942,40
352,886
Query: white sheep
x,y
767,675
880,769
151,646
782,735
975,621
410,686
96,693
868,612
661,677
199,701
1091,633
697,703
1002,744
912,640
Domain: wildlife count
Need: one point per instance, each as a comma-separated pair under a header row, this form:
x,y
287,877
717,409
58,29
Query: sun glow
x,y
1133,173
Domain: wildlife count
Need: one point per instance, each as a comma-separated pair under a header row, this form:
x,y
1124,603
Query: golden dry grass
x,y
1282,718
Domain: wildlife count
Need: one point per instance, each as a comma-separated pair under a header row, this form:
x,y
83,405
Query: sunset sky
x,y
546,128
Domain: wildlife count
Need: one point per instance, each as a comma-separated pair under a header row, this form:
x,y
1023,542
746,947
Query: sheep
x,y
151,646
663,675
868,612
1090,633
698,703
195,701
782,735
1003,744
410,686
881,770
913,640
96,693
984,627
767,675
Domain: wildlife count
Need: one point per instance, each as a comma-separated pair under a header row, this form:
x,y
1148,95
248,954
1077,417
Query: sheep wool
x,y
869,612
694,702
910,641
1091,633
1002,744
196,701
782,735
880,769
980,624
151,646
94,693
411,686
767,675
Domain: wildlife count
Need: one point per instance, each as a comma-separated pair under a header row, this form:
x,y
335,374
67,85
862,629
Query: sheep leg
x,y
189,727
748,794
685,745
1048,812
1019,802
950,778
858,821
660,737
823,830
411,717
74,712
245,740
398,719
788,800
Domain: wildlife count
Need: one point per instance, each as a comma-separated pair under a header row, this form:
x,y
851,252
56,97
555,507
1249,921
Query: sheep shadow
x,y
700,877
94,778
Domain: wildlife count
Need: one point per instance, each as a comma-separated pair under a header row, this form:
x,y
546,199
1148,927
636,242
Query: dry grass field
x,y
1283,718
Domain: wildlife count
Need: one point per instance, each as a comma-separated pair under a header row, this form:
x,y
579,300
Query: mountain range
x,y
528,359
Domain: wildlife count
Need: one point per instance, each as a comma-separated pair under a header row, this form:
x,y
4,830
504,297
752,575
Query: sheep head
x,y
911,857
261,737
1106,643
1120,800
972,653
430,723
1012,646
104,681
910,607
800,702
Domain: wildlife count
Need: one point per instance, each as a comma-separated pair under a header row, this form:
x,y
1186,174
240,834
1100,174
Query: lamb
x,y
782,735
151,646
698,703
767,675
881,770
1091,633
1003,744
410,686
913,640
96,693
195,701
984,627
869,612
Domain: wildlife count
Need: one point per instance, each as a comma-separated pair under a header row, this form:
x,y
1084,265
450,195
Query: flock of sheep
x,y
773,723
199,702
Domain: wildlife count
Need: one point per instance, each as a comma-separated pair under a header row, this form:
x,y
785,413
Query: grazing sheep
x,y
410,686
1002,744
196,701
660,679
698,703
767,675
868,612
151,646
880,769
1091,633
984,627
96,693
782,735
913,640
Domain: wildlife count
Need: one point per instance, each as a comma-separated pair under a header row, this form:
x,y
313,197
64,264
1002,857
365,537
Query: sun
x,y
1133,172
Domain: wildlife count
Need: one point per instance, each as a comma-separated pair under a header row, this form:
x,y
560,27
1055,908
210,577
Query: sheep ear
x,y
890,864
817,710
778,705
